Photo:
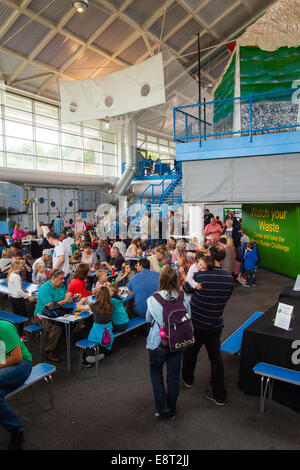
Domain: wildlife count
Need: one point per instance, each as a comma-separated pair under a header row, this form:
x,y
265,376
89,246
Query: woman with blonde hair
x,y
80,225
16,293
18,233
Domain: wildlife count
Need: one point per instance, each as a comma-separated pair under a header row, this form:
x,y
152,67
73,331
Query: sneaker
x,y
253,285
210,397
86,364
246,285
187,385
163,415
92,359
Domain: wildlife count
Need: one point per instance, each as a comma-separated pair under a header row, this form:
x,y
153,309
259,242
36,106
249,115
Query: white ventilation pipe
x,y
131,160
43,178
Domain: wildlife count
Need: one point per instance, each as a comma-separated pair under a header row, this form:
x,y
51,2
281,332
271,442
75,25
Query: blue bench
x,y
38,372
272,372
233,343
84,344
12,318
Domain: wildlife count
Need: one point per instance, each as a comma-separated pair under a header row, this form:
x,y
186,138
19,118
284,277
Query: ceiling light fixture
x,y
81,6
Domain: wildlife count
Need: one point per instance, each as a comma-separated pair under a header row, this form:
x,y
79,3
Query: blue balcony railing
x,y
158,169
261,113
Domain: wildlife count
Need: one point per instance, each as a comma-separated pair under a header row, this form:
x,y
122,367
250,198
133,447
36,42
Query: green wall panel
x,y
263,71
225,90
276,230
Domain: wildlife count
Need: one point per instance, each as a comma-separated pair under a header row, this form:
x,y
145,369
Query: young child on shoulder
x,y
206,263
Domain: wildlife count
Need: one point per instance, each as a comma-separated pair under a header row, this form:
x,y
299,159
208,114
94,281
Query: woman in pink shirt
x,y
18,233
80,225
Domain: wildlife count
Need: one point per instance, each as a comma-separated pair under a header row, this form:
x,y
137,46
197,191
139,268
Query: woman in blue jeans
x,y
165,400
15,368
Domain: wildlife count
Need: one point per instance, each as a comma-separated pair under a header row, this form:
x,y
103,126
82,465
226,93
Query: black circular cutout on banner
x,y
52,204
42,200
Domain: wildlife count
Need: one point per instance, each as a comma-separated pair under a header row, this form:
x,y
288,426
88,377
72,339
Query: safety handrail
x,y
177,167
250,100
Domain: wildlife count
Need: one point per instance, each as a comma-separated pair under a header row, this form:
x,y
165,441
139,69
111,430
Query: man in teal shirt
x,y
15,368
52,291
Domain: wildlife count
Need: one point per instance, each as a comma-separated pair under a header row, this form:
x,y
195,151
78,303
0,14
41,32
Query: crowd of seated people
x,y
89,264
98,274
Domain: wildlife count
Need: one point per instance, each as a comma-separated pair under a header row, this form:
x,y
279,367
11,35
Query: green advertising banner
x,y
276,230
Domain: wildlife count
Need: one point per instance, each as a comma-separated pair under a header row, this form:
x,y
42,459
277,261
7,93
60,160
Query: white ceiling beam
x,y
225,13
29,79
45,84
148,45
51,68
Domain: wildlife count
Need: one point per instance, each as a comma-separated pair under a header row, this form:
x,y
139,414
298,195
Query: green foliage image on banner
x,y
276,230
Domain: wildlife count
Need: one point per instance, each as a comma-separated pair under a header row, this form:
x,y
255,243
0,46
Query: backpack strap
x,y
159,299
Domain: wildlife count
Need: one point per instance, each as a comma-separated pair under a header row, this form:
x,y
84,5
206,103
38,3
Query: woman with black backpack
x,y
161,349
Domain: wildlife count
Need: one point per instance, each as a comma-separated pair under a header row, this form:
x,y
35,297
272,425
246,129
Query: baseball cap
x,y
46,252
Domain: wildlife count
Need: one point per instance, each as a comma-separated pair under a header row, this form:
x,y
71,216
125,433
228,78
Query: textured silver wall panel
x,y
273,178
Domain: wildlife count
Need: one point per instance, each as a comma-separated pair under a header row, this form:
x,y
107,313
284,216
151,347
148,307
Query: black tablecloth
x,y
289,293
264,342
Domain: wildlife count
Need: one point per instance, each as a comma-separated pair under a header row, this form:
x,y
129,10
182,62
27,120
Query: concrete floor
x,y
116,409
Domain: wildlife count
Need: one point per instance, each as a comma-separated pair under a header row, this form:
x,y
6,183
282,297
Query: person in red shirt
x,y
78,283
219,221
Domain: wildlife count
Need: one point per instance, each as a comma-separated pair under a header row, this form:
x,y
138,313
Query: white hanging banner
x,y
136,87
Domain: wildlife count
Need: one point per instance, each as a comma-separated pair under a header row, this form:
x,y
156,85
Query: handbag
x,y
106,339
55,310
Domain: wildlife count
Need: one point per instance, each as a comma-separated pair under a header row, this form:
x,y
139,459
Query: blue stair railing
x,y
164,187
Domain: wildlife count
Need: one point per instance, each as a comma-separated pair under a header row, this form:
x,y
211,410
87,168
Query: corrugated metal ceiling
x,y
112,34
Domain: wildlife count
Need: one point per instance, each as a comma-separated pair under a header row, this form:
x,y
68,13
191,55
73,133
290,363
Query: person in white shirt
x,y
60,254
46,256
68,242
17,294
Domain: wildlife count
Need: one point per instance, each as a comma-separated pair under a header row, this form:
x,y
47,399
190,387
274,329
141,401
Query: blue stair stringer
x,y
171,194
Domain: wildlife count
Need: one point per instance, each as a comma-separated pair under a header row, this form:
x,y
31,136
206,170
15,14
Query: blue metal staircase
x,y
170,195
